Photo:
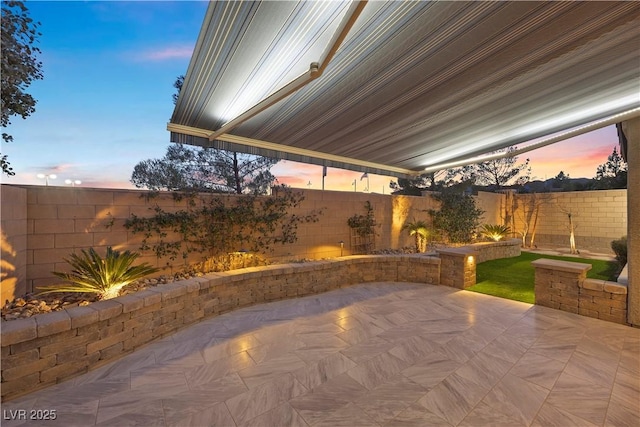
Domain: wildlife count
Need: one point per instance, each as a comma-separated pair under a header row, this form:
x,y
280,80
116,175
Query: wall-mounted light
x,y
46,177
470,260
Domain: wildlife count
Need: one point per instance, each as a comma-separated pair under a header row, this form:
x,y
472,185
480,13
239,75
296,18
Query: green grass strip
x,y
513,278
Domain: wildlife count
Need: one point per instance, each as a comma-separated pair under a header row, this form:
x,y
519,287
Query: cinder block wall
x,y
599,216
45,224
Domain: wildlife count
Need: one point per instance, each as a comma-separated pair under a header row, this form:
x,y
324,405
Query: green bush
x,y
209,228
619,247
458,216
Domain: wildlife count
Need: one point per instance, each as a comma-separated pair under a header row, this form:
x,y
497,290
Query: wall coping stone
x,y
108,308
82,316
19,330
131,302
506,242
615,288
172,290
52,323
593,284
568,266
461,252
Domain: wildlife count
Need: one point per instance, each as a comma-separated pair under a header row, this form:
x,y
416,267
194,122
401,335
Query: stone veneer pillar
x,y
557,283
632,132
458,267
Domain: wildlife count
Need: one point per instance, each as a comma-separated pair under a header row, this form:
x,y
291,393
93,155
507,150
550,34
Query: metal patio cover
x,y
396,87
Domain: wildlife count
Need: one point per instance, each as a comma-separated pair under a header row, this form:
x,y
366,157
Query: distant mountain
x,y
553,185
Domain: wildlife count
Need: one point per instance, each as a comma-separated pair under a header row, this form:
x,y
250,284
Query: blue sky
x,y
105,100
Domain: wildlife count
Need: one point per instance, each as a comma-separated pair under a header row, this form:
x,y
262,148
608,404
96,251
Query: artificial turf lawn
x,y
513,278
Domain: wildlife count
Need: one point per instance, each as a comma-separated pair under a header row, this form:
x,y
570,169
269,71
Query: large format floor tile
x,y
376,354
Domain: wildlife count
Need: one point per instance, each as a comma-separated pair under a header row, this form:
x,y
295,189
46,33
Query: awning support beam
x,y
315,70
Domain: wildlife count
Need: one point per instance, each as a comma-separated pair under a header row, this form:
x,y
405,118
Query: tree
x,y
206,170
613,173
432,181
500,172
563,181
572,228
20,67
178,85
529,213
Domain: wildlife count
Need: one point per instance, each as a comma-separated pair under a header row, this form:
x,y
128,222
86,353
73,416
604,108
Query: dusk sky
x,y
105,100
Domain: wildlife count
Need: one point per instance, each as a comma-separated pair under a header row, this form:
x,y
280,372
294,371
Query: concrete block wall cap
x,y
250,273
615,288
269,270
131,302
82,316
52,323
150,296
17,331
107,308
461,251
568,266
213,275
191,285
593,284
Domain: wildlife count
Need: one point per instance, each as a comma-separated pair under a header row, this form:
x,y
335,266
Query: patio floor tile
x,y
376,354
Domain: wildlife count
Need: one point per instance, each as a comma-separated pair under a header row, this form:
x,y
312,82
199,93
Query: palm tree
x,y
420,231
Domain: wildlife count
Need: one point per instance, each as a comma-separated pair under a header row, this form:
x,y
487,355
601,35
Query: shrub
x,y
363,225
105,277
457,217
495,232
619,247
209,228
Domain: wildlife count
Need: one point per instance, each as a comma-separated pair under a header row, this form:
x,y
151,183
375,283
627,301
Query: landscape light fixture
x,y
341,246
46,177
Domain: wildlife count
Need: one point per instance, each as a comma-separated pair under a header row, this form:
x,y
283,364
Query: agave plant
x,y
420,231
495,232
105,277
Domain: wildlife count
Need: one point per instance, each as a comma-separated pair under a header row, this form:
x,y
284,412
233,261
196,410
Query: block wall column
x,y
458,267
557,283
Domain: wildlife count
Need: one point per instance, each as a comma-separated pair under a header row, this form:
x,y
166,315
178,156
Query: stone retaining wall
x,y
49,348
487,251
564,286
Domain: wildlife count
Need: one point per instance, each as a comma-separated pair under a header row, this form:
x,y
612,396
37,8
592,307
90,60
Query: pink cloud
x,y
579,156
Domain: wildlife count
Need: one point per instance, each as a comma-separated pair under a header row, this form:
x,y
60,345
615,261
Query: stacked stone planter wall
x,y
487,251
49,348
564,286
